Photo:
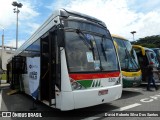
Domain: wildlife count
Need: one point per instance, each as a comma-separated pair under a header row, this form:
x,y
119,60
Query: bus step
x,y
45,102
13,92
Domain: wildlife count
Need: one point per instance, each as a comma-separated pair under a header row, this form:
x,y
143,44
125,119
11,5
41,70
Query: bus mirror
x,y
60,37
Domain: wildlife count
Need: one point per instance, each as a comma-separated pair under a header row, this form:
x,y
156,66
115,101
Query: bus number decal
x,y
33,75
112,80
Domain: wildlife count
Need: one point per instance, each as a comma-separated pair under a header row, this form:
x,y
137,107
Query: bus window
x,y
81,58
128,62
107,54
152,58
77,54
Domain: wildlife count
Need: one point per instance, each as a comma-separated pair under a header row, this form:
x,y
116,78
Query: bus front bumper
x,y
131,81
90,97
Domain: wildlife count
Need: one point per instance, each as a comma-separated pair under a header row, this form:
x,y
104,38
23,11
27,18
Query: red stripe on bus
x,y
93,75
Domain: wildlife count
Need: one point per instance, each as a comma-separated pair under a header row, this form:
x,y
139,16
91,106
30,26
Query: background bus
x,y
131,73
70,62
145,57
157,51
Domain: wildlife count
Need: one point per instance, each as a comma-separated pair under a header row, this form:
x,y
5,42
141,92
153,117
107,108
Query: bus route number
x,y
112,79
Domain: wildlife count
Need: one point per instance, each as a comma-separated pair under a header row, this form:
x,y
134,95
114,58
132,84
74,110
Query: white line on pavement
x,y
127,107
0,99
136,89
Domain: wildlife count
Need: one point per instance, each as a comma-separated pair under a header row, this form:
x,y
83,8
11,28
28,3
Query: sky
x,y
120,16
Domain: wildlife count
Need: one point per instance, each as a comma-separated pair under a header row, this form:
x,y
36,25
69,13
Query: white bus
x,y
70,62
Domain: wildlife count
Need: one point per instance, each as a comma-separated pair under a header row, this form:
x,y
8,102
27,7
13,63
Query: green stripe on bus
x,y
86,83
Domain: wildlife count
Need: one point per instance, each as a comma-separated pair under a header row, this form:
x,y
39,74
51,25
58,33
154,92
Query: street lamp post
x,y
2,37
16,10
1,71
133,32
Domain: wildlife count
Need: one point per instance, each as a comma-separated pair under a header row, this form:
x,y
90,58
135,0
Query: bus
x,y
146,56
157,51
70,62
131,72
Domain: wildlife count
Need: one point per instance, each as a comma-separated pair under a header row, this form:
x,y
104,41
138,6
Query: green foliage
x,y
149,41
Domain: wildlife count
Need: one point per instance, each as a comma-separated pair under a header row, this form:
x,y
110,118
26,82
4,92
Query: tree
x,y
149,41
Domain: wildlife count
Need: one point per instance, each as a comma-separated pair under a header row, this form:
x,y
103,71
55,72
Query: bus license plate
x,y
103,92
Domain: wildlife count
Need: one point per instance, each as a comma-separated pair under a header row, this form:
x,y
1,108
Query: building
x,y
6,53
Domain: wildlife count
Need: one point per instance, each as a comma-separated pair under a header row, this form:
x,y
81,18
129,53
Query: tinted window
x,y
86,26
32,50
81,58
127,57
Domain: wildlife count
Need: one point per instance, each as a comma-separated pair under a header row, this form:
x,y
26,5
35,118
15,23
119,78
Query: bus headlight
x,y
76,86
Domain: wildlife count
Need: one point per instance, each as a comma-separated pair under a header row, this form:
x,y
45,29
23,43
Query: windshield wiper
x,y
103,49
131,59
85,40
91,45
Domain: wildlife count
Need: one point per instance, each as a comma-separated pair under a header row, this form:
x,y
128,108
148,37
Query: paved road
x,y
133,99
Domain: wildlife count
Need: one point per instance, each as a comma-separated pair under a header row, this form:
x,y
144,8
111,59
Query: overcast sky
x,y
120,16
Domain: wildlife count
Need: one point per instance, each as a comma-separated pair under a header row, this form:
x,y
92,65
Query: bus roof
x,y
143,49
118,36
50,22
155,48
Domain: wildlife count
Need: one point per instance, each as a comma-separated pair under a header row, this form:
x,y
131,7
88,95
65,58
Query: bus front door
x,y
47,80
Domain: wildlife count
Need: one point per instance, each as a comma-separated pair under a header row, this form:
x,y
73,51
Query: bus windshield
x,y
152,57
127,56
83,59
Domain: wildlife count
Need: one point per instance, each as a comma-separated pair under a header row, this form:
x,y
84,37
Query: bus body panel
x,y
25,80
131,78
91,97
41,31
67,101
64,74
132,74
58,100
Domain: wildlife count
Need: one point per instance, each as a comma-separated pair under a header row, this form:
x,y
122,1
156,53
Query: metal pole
x,y
1,57
133,36
133,32
2,37
16,10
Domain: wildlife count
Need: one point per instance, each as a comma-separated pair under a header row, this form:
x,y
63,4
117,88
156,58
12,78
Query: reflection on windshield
x,y
153,59
157,54
82,59
127,56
